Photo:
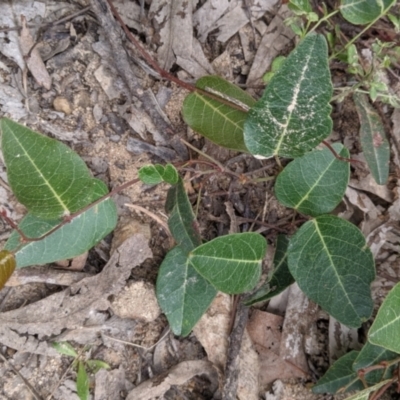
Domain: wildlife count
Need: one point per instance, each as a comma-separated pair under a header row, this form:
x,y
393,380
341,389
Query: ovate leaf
x,y
182,293
340,375
96,365
361,12
332,264
154,174
385,330
71,240
372,355
82,382
374,143
45,175
7,266
315,183
231,263
218,121
292,116
182,222
280,277
65,349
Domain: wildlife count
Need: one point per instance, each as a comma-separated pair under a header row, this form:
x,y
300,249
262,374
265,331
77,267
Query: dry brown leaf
x,y
27,328
300,314
212,331
368,184
265,332
33,60
177,375
275,39
44,274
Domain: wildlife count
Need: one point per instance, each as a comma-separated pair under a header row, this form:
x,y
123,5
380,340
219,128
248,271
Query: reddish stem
x,y
349,160
162,72
9,221
68,218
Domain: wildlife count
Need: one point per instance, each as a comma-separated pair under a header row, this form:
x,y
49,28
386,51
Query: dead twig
x,y
33,391
235,342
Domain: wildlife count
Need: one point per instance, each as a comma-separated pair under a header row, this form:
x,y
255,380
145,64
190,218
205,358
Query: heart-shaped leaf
x,y
315,183
231,263
214,119
330,261
182,222
361,12
182,293
154,174
339,375
71,240
385,330
292,117
45,175
7,266
374,143
280,278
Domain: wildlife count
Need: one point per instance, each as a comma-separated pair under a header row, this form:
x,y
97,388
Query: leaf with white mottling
x,y
292,117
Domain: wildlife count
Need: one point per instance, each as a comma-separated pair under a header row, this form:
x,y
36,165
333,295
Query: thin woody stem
x,y
70,217
162,72
349,160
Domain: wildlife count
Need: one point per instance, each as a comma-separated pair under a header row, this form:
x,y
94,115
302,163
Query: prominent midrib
x,y
333,264
55,194
292,105
216,110
305,197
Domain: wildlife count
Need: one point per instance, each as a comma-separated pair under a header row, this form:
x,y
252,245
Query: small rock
x,y
62,104
97,113
137,301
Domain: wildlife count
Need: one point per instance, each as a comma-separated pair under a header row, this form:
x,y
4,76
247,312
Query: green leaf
x,y
280,278
385,330
374,143
364,394
300,7
82,382
71,240
154,174
292,117
372,355
182,293
339,375
7,266
65,348
219,122
231,263
45,175
96,365
315,183
182,222
329,259
361,12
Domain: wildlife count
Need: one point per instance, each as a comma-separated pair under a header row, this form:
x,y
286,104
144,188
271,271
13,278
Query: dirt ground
x,y
105,102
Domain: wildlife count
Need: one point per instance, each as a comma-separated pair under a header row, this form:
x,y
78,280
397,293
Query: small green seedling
x,y
82,366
